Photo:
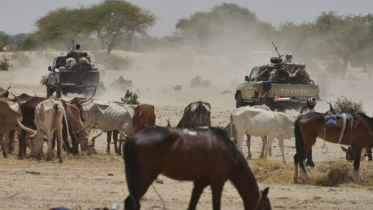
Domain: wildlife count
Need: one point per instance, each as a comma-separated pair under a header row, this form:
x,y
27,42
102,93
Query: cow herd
x,y
74,122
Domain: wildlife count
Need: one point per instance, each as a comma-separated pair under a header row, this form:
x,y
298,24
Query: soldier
x,y
281,76
76,54
288,63
300,75
258,84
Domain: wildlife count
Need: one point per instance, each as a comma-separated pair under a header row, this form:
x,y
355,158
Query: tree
x,y
60,25
114,18
107,20
344,34
227,29
3,40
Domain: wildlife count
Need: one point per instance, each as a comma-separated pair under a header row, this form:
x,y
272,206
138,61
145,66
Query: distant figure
x,y
76,54
288,63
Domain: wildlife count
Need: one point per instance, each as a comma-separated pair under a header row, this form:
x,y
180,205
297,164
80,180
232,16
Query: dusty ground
x,y
85,182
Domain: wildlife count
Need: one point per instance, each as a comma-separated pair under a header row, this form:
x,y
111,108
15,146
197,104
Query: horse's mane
x,y
367,118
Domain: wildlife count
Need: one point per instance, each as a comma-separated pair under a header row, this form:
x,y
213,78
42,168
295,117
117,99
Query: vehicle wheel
x,y
239,101
269,102
49,92
58,92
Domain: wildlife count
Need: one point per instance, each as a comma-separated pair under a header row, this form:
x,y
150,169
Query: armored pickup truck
x,y
280,97
80,79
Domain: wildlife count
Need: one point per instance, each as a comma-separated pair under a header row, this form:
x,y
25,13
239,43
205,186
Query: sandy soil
x,y
86,182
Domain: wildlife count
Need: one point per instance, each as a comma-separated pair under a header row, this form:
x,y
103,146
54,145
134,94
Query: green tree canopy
x,y
107,20
226,29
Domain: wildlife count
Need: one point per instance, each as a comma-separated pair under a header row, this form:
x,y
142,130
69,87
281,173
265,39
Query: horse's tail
x,y
132,166
299,145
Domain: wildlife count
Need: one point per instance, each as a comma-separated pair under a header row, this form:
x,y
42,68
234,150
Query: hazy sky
x,y
19,16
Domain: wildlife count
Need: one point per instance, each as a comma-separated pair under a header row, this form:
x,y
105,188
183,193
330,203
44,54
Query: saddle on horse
x,y
343,120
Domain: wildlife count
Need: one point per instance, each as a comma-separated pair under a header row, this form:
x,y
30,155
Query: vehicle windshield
x,y
253,74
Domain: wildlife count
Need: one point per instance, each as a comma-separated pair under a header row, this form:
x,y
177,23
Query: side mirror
x,y
49,68
246,78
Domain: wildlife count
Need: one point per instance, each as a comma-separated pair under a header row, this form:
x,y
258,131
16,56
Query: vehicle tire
x,y
239,101
269,102
49,91
58,92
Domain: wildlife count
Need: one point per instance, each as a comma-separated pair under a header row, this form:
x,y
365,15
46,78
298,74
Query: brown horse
x,y
312,125
204,156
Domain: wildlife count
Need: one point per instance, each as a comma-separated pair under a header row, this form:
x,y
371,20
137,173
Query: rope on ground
x,y
160,197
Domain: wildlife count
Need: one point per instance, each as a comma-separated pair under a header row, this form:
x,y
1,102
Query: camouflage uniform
x,y
301,74
288,63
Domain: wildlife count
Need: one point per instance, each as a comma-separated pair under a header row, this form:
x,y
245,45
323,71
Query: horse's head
x,y
350,153
263,202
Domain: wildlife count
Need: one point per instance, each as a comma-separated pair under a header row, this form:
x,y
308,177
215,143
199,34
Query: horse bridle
x,y
258,202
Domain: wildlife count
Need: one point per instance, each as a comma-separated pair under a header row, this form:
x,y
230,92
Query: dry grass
x,y
326,173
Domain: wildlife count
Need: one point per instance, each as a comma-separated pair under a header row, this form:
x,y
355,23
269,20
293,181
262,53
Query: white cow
x,y
262,123
107,116
48,118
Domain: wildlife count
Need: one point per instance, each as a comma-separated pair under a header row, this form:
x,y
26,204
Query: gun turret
x,y
278,59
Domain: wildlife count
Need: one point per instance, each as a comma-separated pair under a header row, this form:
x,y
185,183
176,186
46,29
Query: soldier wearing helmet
x,y
300,76
288,63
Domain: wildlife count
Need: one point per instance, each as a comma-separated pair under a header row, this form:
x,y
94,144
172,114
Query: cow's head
x,y
350,153
91,141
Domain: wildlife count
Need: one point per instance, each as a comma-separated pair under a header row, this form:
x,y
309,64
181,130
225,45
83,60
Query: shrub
x,y
198,82
114,62
130,98
43,80
121,83
177,88
4,64
343,104
21,59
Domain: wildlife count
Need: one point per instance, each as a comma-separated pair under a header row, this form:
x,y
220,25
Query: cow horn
x,y
85,127
88,99
29,130
35,94
19,104
5,91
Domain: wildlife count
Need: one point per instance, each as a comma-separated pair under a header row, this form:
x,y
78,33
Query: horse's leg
x,y
248,146
355,175
295,179
281,143
264,143
196,193
108,138
268,146
217,189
